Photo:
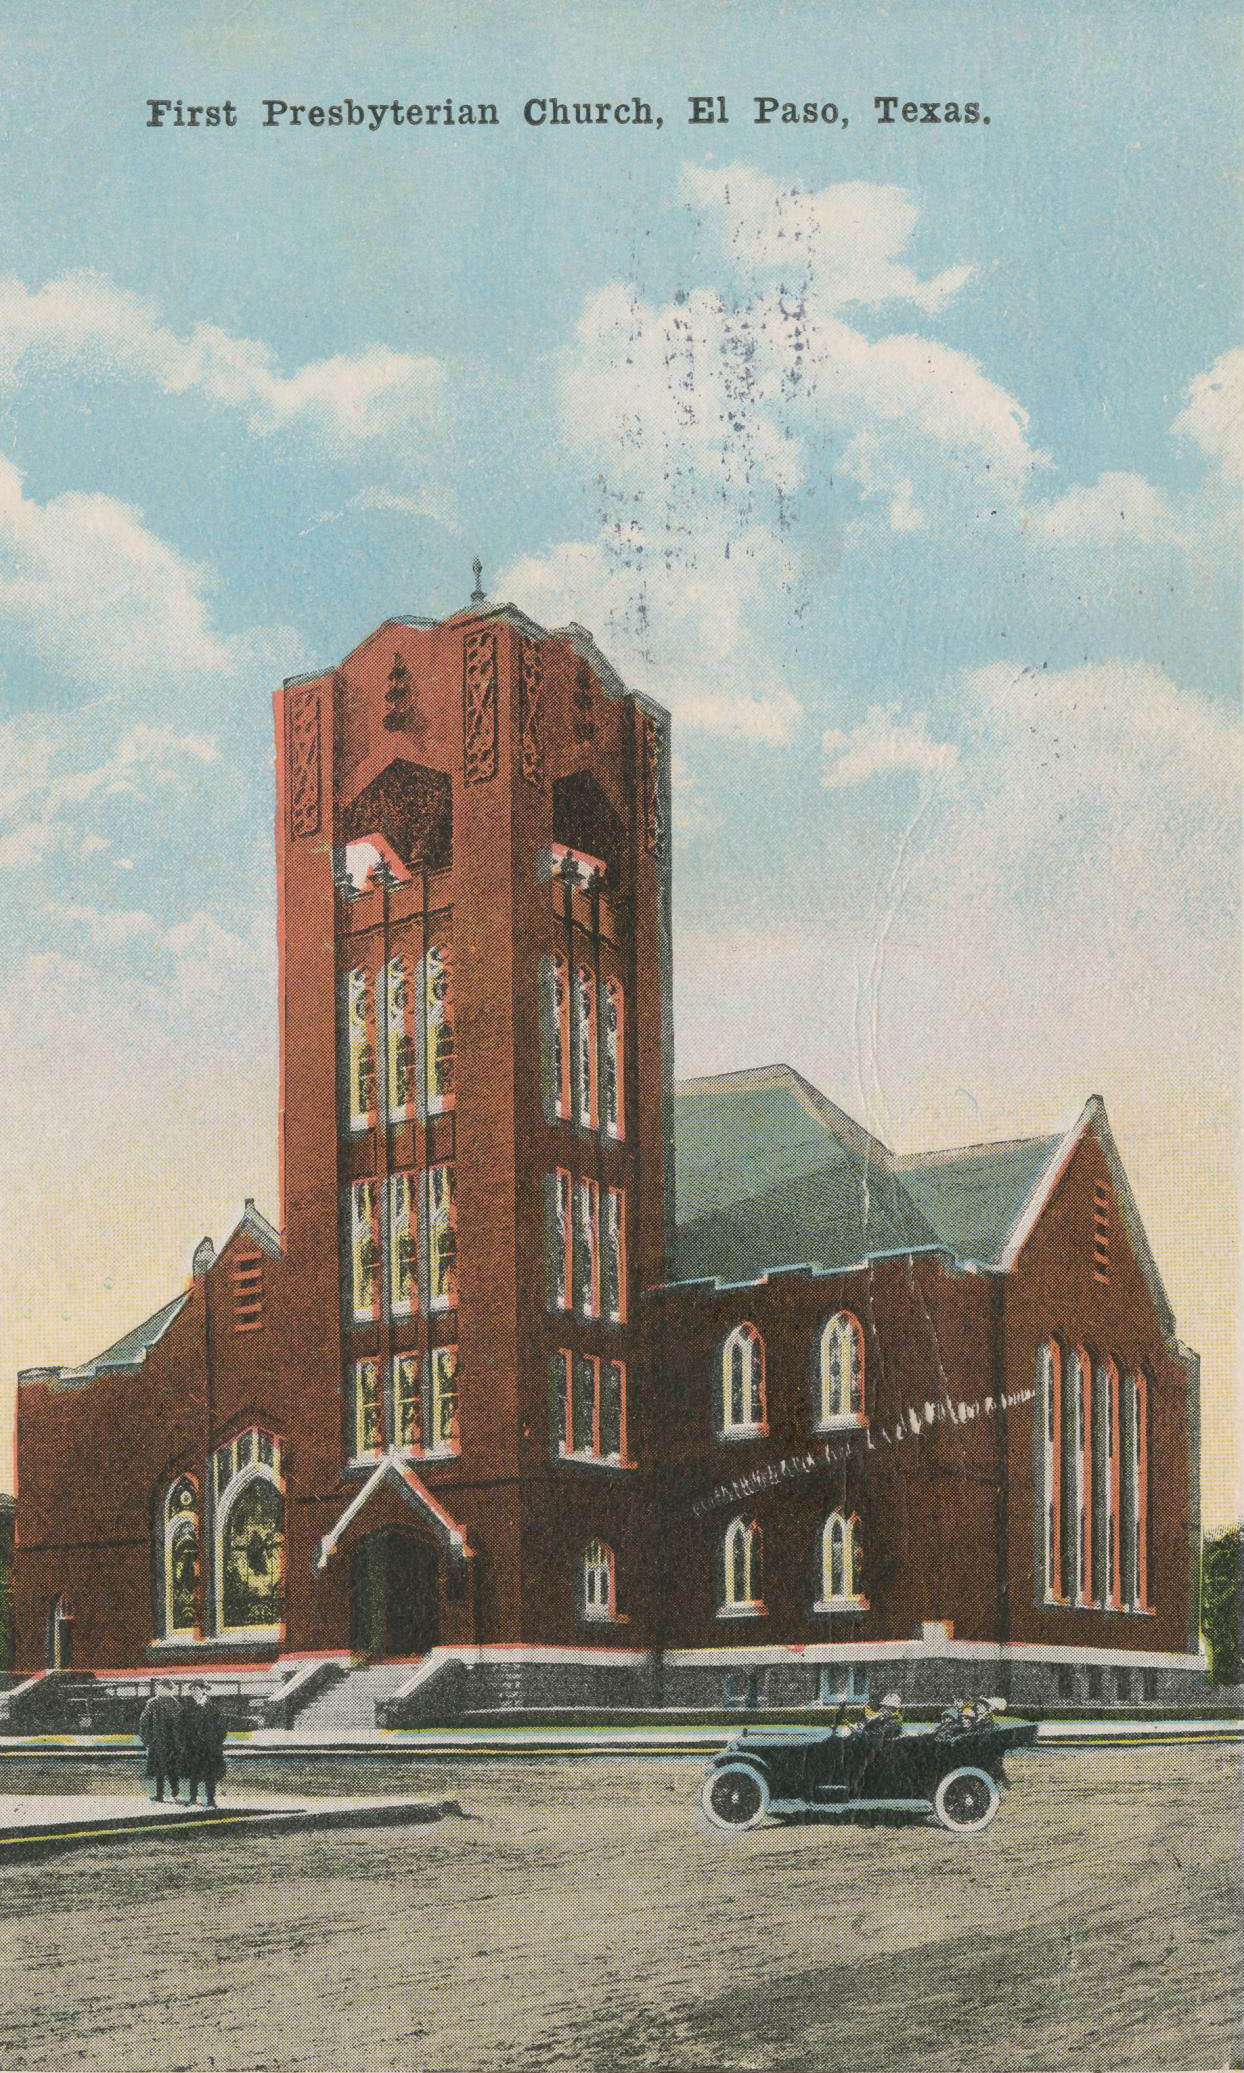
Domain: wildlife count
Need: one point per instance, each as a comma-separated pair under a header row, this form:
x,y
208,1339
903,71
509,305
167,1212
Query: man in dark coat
x,y
158,1733
209,1746
188,1740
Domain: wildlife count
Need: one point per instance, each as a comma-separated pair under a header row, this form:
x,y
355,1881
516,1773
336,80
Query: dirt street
x,y
580,1918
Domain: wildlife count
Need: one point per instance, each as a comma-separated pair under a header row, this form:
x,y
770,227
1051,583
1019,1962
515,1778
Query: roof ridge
x,y
982,1144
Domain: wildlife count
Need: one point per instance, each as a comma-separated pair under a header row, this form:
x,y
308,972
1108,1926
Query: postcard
x,y
620,783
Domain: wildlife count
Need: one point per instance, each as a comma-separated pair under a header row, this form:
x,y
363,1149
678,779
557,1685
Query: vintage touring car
x,y
952,1771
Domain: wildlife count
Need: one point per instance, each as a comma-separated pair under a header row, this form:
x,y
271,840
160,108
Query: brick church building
x,y
562,1383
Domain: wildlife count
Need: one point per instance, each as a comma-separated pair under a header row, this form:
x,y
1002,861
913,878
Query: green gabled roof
x,y
129,1351
769,1174
834,1216
973,1197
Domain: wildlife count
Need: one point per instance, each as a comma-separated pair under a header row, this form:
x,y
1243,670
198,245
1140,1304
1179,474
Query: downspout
x,y
1002,1483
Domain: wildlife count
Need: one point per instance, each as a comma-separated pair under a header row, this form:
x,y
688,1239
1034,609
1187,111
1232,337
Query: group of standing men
x,y
183,1735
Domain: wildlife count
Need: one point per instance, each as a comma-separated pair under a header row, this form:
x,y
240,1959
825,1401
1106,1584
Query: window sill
x,y
605,1619
841,1605
845,1421
613,1461
754,1611
730,1433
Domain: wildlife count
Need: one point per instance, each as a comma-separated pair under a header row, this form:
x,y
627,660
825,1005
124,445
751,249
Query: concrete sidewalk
x,y
634,1739
34,1824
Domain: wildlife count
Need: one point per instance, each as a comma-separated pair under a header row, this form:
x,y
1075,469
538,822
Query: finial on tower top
x,y
477,570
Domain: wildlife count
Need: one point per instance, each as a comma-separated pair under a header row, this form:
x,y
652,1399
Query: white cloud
x,y
44,789
85,320
86,584
687,633
1117,509
1214,413
844,243
883,745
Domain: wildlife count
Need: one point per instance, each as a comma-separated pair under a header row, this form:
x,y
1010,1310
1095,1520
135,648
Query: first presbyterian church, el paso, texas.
x,y
562,1384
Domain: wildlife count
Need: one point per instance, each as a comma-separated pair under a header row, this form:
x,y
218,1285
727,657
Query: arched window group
x,y
840,1566
742,1384
1094,1482
838,1396
582,1046
409,1007
246,1591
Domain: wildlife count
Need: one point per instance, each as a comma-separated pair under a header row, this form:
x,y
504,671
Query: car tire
x,y
735,1798
966,1800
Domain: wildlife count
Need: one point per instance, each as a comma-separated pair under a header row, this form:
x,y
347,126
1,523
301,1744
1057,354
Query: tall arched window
x,y
1108,1470
438,1001
179,1557
742,1389
842,1371
586,1102
367,1411
400,1039
1080,1391
1050,1394
365,1250
555,984
599,1584
842,1561
403,1245
1136,1495
615,1053
743,1566
361,1049
250,1535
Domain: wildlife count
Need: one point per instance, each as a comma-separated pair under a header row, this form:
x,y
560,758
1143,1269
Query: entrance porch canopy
x,y
393,1473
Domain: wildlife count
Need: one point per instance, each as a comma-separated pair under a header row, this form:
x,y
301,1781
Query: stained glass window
x,y
615,1255
598,1581
181,1557
587,1249
742,1563
842,1560
442,1238
368,1409
361,1045
557,1032
614,1059
584,1426
365,1250
407,1402
743,1380
400,1022
253,1556
842,1369
439,1027
560,1241
585,1048
613,1410
560,1395
403,1247
443,1365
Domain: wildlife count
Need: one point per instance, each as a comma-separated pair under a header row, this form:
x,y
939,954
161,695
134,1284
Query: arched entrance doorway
x,y
394,1595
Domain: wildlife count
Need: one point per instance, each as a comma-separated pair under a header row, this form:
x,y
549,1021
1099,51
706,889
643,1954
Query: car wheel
x,y
735,1797
966,1800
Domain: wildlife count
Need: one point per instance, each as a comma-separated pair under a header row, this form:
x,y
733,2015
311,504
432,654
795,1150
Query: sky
x,y
900,461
